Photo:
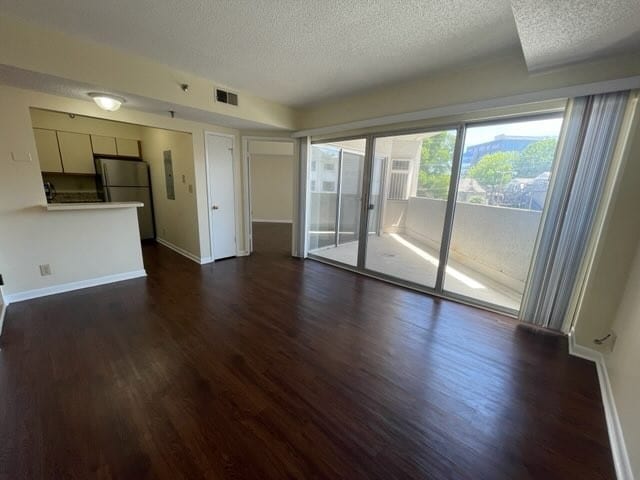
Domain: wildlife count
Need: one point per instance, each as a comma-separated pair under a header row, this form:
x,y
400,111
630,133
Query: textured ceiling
x,y
558,32
68,88
297,52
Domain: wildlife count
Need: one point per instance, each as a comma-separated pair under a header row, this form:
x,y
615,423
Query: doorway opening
x,y
270,165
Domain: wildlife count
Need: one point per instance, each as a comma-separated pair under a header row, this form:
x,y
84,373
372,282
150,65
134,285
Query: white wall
x,y
272,186
496,241
79,245
623,363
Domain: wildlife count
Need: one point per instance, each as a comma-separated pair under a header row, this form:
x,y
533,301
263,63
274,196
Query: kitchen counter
x,y
53,207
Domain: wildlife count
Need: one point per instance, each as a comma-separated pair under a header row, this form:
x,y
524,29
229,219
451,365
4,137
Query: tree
x,y
494,171
435,164
536,158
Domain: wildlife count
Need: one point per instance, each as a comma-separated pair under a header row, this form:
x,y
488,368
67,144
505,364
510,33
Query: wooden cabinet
x,y
75,149
103,145
48,151
128,147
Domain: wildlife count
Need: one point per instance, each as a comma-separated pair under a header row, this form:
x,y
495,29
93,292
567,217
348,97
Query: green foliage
x,y
536,158
494,170
435,164
477,199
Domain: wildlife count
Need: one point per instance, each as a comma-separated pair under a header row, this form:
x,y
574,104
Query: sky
x,y
485,133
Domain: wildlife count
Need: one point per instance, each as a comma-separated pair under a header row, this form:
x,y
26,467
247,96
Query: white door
x,y
221,195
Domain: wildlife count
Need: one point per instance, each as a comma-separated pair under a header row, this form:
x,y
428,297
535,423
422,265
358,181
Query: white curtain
x,y
590,136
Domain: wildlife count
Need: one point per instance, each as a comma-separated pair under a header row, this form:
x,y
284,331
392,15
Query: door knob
x,y
215,207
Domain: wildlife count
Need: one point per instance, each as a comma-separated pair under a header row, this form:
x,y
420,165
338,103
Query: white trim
x,y
235,190
262,220
4,303
68,287
182,251
621,460
246,166
627,83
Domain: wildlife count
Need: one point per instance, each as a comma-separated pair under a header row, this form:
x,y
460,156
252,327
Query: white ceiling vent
x,y
222,96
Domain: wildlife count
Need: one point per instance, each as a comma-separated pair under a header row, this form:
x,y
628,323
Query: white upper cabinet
x,y
103,145
77,155
128,147
48,151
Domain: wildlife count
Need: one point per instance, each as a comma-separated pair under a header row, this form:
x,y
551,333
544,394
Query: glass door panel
x,y
503,184
335,195
408,198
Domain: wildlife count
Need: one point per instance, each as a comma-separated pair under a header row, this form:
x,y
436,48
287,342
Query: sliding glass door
x,y
335,196
408,199
501,193
451,211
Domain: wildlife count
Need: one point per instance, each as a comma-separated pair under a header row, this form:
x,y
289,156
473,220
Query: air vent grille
x,y
222,96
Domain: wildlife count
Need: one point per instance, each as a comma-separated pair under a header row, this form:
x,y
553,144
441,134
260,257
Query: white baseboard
x,y
262,220
183,252
68,287
3,311
242,253
4,303
616,438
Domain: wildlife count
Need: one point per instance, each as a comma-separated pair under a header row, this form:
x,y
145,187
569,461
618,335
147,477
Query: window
x,y
399,179
328,186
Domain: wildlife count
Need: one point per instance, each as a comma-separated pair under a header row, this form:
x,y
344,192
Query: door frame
x,y
461,128
246,166
208,168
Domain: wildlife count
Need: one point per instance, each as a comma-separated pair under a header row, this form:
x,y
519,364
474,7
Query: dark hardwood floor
x,y
270,367
271,237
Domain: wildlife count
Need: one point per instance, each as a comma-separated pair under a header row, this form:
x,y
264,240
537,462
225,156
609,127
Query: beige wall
x,y
272,187
622,364
502,77
30,47
34,237
176,220
79,245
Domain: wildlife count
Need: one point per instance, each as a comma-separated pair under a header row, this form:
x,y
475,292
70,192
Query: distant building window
x,y
313,185
313,166
328,186
329,166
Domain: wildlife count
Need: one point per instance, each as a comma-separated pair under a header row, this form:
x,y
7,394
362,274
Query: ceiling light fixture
x,y
107,102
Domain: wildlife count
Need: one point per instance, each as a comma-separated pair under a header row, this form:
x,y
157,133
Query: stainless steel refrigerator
x,y
128,181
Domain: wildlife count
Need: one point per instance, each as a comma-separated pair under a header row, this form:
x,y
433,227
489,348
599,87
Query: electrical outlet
x,y
45,270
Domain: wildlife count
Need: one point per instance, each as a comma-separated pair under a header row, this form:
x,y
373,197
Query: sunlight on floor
x,y
468,281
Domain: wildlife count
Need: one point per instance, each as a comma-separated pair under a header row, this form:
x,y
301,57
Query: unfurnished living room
x,y
330,239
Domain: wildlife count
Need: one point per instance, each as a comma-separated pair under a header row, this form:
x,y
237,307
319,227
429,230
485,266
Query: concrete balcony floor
x,y
403,257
